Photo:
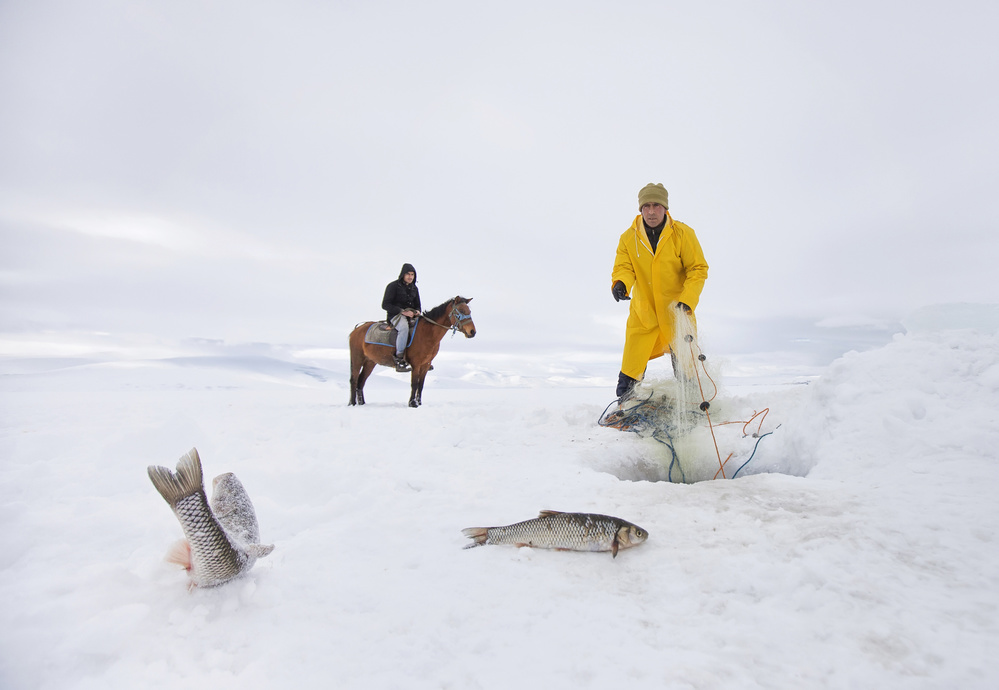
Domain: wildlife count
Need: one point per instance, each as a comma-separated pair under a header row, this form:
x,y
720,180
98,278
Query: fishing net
x,y
682,415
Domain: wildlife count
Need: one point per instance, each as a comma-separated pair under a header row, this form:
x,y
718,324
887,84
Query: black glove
x,y
619,291
684,307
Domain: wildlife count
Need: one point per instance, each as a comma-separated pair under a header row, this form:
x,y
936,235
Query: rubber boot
x,y
625,385
400,363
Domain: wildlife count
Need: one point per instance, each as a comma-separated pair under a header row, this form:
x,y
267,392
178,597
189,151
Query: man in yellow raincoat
x,y
660,264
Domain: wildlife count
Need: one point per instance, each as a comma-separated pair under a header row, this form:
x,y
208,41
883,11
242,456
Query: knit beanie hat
x,y
653,194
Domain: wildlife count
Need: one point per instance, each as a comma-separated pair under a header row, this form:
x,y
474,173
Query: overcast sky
x,y
256,171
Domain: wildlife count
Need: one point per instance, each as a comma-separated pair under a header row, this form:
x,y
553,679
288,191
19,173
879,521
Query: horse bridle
x,y
457,318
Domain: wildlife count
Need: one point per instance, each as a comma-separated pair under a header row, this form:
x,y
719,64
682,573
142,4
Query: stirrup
x,y
401,364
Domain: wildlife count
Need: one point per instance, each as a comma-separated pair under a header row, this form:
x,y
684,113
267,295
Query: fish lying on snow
x,y
223,539
563,531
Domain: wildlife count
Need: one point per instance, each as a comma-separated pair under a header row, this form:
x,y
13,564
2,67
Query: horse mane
x,y
439,311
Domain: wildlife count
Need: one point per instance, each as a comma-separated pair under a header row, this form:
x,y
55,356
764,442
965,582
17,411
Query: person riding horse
x,y
451,316
402,306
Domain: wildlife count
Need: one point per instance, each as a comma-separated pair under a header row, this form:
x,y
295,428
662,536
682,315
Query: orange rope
x,y
723,466
704,404
762,414
765,411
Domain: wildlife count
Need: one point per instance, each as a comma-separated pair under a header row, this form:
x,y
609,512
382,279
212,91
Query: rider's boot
x,y
400,363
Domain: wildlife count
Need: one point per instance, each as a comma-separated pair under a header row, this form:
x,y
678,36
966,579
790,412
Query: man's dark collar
x,y
654,229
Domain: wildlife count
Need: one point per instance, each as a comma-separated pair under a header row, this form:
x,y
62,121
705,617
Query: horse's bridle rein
x,y
457,318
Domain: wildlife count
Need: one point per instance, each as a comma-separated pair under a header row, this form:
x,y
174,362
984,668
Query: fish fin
x,y
187,481
479,534
258,550
614,547
180,554
547,513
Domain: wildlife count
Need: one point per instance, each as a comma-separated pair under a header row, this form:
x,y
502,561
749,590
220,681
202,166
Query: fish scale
x,y
561,532
564,531
213,558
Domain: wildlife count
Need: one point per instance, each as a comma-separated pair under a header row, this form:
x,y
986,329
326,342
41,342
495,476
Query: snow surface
x,y
856,549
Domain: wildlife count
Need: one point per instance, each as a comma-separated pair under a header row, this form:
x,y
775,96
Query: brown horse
x,y
453,315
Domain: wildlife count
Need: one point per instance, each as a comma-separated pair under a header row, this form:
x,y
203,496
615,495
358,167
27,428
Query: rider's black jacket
x,y
401,295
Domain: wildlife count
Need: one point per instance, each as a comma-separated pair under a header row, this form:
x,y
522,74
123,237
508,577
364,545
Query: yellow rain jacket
x,y
675,273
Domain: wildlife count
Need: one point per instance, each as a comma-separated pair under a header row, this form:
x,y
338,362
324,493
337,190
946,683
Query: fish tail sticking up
x,y
479,534
187,481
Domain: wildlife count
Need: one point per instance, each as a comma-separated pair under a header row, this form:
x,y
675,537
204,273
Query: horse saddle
x,y
382,333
